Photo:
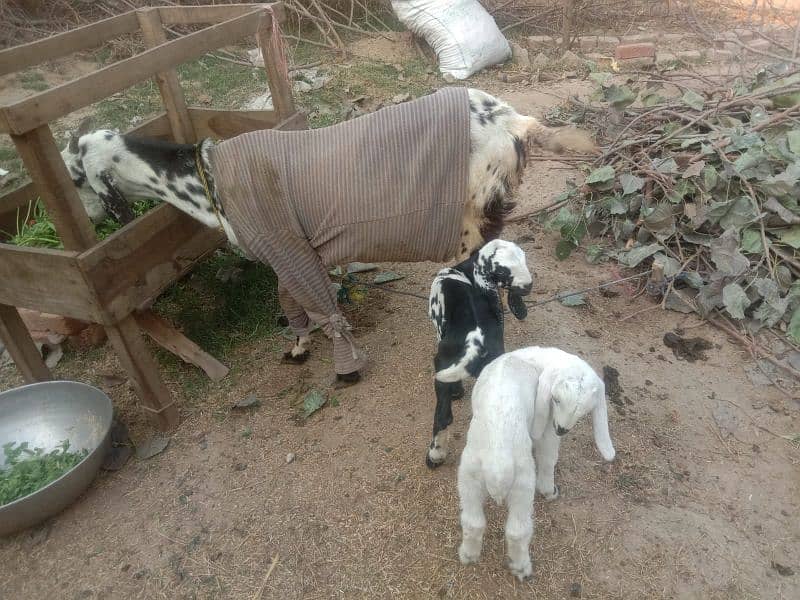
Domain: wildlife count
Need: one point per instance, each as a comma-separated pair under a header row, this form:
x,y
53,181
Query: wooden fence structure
x,y
113,281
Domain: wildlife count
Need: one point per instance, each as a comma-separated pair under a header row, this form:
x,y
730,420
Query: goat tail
x,y
473,348
557,139
498,473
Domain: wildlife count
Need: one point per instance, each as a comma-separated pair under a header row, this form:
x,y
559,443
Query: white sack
x,y
464,36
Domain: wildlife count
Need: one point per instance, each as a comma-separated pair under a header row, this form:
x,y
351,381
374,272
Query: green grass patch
x,y
32,80
36,230
219,315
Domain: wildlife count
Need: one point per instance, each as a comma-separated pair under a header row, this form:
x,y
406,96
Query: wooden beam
x,y
194,15
44,165
168,84
296,122
136,263
60,45
138,362
223,124
46,280
68,97
154,127
169,338
17,340
277,76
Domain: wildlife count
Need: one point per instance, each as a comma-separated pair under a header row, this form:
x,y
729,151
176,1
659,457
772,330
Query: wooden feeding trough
x,y
110,282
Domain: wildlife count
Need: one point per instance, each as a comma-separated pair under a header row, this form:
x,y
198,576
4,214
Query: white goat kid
x,y
521,404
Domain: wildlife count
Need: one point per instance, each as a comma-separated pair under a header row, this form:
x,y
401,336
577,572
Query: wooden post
x,y
139,363
168,84
165,335
569,21
44,164
46,168
20,346
277,78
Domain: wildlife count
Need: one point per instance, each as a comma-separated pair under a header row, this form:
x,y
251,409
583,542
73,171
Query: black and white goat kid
x,y
467,312
112,170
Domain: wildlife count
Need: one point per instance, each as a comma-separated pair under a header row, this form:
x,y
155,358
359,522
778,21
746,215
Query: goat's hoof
x,y
296,359
549,497
432,464
468,557
522,570
344,380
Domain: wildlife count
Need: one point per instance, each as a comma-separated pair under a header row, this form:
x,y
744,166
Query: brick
x,y
629,51
671,38
665,57
759,45
721,55
743,34
540,61
587,42
47,323
690,55
519,55
640,38
601,60
607,42
635,64
537,42
91,337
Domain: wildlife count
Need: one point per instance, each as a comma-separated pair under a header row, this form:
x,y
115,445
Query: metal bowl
x,y
44,415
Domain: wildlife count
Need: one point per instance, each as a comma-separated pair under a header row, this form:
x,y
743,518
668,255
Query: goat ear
x,y
602,438
541,406
517,306
84,127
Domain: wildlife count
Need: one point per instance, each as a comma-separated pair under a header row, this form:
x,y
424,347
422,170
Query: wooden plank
x,y
44,165
224,124
296,122
156,127
46,280
23,351
168,84
138,262
275,65
68,97
138,362
193,15
29,55
169,338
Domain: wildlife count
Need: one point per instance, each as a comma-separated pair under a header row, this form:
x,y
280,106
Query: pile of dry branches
x,y
587,15
26,20
703,185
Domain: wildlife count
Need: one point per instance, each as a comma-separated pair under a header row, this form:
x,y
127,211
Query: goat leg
x,y
442,418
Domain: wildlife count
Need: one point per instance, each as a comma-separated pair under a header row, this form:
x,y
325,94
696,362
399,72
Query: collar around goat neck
x,y
201,172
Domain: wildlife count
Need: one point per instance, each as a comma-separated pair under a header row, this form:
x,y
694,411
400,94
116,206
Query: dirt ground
x,y
702,500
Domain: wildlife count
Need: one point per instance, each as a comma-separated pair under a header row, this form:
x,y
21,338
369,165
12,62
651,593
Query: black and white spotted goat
x,y
467,312
112,170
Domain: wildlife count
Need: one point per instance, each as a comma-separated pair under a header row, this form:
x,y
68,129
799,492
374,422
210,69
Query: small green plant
x,y
37,230
33,80
31,470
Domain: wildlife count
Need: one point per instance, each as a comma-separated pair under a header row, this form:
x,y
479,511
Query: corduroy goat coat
x,y
389,186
